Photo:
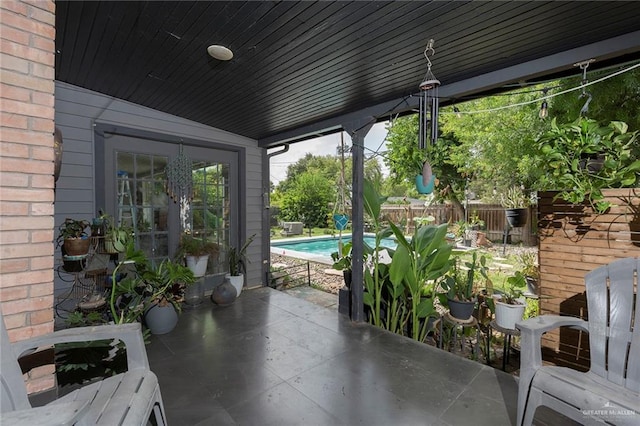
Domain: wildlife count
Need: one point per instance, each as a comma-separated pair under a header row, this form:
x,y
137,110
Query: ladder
x,y
126,206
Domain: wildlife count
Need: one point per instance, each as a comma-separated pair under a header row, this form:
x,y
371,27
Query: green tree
x,y
615,99
327,166
308,199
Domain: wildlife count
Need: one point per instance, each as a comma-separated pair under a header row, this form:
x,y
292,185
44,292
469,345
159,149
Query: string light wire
x,y
553,95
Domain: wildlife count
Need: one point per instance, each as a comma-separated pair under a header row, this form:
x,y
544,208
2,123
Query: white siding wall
x,y
76,111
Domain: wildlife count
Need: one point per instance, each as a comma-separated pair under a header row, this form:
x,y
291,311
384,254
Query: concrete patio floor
x,y
275,359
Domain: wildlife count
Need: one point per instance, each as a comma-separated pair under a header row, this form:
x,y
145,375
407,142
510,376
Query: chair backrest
x,y
614,322
13,391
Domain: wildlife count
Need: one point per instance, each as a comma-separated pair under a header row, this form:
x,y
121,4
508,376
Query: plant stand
x,y
455,323
506,349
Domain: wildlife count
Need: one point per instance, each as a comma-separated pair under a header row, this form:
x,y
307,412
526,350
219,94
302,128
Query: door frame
x,y
105,191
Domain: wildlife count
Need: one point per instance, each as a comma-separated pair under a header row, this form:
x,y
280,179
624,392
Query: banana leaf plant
x,y
374,276
417,263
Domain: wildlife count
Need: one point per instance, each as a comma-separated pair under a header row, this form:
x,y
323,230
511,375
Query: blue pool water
x,y
322,247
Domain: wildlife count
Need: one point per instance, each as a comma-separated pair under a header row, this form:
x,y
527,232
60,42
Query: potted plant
x,y
416,264
237,260
197,252
149,291
584,157
116,238
516,204
529,262
73,237
509,308
459,286
425,179
342,262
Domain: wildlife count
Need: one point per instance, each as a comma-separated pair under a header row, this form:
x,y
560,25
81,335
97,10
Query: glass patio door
x,y
135,190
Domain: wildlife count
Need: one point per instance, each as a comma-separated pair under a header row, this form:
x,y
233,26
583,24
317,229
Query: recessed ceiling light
x,y
220,52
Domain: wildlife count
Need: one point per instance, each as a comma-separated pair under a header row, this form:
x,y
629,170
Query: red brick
x,y
20,180
42,262
29,138
15,35
43,236
46,72
38,209
48,5
14,209
20,65
15,251
14,293
44,152
41,316
33,166
33,83
41,125
29,25
24,108
19,223
13,265
14,120
27,305
27,332
21,51
42,371
19,7
8,149
42,181
15,92
15,237
41,290
43,16
43,44
42,98
41,384
14,321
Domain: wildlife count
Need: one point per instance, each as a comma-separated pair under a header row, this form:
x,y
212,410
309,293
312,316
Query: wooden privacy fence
x,y
573,241
492,214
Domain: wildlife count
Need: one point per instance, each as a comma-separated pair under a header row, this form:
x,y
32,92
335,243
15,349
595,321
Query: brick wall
x,y
27,57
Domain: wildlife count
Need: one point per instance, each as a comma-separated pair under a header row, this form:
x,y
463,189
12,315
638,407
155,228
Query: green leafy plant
x,y
513,289
237,258
415,265
116,237
194,246
145,285
585,157
72,228
515,198
462,284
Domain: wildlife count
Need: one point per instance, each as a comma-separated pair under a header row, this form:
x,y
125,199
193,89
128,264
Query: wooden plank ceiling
x,y
296,63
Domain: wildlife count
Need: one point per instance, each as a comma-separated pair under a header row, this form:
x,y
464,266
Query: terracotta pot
x,y
76,246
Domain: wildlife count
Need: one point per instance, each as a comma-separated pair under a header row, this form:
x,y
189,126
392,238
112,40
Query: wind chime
x,y
179,185
340,217
428,121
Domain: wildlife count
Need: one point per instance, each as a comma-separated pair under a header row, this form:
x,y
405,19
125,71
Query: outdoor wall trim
x,y
545,66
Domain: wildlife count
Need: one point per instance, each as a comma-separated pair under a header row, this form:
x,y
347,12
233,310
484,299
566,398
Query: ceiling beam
x,y
548,65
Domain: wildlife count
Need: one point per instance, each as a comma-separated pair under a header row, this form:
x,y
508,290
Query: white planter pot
x,y
198,265
508,315
237,281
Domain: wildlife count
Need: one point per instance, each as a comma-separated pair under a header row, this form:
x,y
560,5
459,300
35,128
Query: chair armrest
x,y
66,413
129,334
531,331
543,323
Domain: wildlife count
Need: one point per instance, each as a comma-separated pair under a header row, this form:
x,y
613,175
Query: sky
x,y
325,145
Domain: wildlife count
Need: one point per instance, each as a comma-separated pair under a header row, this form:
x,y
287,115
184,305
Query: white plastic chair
x,y
609,393
125,399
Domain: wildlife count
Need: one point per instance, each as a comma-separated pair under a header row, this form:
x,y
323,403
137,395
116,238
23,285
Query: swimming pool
x,y
319,249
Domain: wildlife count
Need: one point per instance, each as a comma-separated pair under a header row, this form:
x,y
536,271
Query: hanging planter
x,y
340,221
425,188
